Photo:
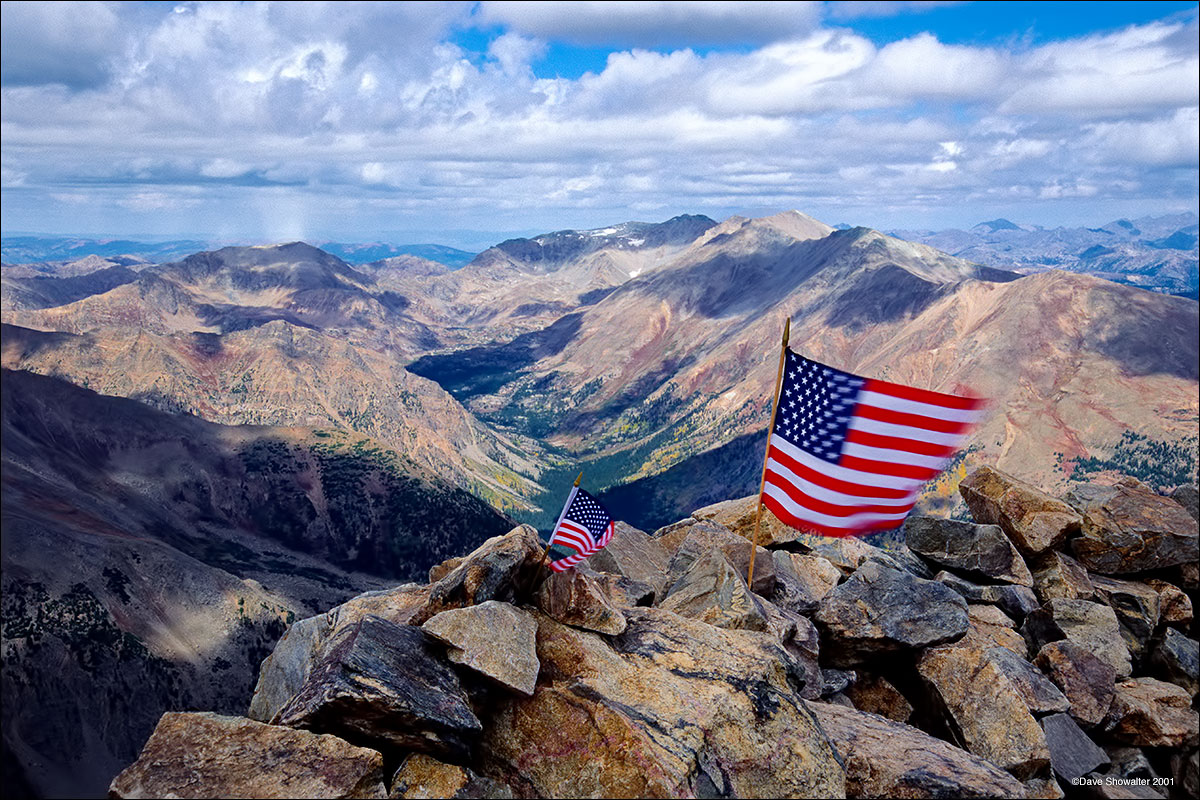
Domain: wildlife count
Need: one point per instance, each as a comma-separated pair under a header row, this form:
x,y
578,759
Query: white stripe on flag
x,y
837,472
905,432
836,498
879,400
851,522
893,456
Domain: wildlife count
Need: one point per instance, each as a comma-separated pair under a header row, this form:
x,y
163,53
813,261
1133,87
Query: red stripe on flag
x,y
887,468
924,395
834,484
896,443
823,507
911,420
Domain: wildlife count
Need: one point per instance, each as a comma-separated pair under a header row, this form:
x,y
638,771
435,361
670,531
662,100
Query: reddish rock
x,y
1033,520
576,597
1175,607
1058,576
1092,625
1150,713
421,777
977,551
1135,530
635,555
1085,680
877,695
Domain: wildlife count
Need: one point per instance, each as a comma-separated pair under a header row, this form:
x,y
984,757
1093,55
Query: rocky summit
x,y
976,659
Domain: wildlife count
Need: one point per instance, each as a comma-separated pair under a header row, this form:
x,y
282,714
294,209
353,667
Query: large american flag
x,y
584,527
848,455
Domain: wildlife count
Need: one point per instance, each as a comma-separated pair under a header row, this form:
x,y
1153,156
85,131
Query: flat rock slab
x,y
712,591
1085,680
494,639
1135,530
1034,521
206,755
1147,712
1072,753
985,708
386,685
884,758
1137,607
496,570
980,551
421,777
580,598
1038,692
880,610
1092,625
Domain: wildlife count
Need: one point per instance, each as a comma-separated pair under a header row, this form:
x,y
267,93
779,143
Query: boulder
x,y
738,516
1034,521
815,575
1147,712
1058,576
703,536
848,553
712,591
288,666
986,711
879,610
1038,692
1185,769
669,537
496,570
1092,625
636,555
421,777
576,597
1174,606
877,695
977,551
1136,606
1188,497
1072,753
991,627
1085,680
884,758
439,571
494,639
209,755
1016,601
1135,530
385,685
672,707
1176,659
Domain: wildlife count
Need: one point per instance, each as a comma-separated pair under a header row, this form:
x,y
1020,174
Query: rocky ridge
x,y
1045,650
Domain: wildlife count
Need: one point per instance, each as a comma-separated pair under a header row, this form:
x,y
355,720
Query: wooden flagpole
x,y
550,542
787,327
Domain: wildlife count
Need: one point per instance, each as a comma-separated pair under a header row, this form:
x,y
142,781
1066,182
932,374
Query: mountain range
x,y
1156,253
275,425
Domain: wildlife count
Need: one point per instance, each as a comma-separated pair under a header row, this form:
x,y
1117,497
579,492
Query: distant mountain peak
x,y
999,224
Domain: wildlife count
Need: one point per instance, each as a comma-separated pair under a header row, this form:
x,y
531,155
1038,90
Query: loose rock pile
x,y
1047,648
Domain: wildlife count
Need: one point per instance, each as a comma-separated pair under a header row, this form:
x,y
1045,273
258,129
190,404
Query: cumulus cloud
x,y
369,113
70,44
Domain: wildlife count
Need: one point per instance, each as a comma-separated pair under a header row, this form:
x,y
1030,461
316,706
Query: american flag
x,y
848,455
584,527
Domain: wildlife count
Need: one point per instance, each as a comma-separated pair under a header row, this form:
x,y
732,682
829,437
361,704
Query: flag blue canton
x,y
816,404
586,511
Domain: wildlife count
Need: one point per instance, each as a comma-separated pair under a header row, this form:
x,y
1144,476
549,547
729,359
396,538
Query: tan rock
x,y
1175,607
712,591
703,535
439,571
496,570
989,629
1136,530
877,695
673,707
206,755
738,516
1092,625
817,574
1057,575
985,708
494,639
1085,680
636,555
422,777
1044,788
1151,713
1033,520
578,597
884,758
1136,606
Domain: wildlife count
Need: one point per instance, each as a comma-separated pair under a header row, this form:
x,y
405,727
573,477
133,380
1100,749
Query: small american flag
x,y
848,455
584,527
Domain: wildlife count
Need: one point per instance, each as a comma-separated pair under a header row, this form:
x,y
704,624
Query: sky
x,y
463,123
